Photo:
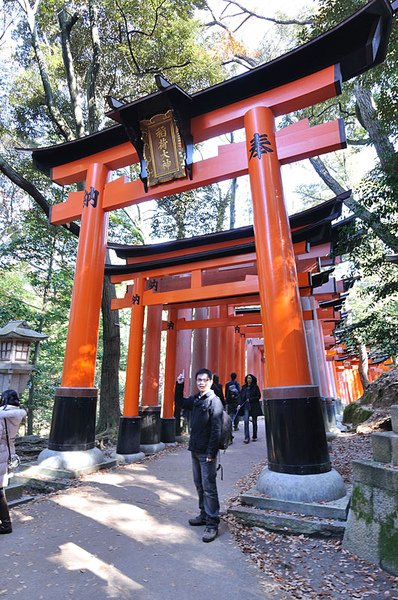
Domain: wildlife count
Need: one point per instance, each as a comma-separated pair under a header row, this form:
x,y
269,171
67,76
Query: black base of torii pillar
x,y
71,443
299,468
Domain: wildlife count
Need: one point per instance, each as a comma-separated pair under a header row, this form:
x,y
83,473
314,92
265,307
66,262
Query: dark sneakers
x,y
5,526
246,440
210,534
197,521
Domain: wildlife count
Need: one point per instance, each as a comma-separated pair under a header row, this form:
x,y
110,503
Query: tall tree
x,y
65,60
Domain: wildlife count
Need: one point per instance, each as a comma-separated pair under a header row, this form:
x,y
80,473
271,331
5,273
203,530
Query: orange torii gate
x,y
179,275
303,77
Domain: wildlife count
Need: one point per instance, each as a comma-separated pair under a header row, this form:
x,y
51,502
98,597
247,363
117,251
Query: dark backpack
x,y
226,431
226,436
233,390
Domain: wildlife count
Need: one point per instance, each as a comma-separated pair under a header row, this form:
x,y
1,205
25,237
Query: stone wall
x,y
372,525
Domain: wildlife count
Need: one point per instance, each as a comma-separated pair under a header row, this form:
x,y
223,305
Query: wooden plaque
x,y
162,149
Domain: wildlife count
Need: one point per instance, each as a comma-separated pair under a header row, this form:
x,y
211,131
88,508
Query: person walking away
x,y
249,405
206,420
217,389
232,391
11,416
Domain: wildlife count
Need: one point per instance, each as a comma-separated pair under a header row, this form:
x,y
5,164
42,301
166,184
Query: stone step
x,y
292,524
336,509
14,491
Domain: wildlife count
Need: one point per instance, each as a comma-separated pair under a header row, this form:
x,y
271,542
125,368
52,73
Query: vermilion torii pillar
x,y
150,407
77,395
296,438
129,429
168,420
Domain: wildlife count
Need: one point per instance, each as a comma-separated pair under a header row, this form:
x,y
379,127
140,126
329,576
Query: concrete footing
x,y
322,487
73,463
152,448
128,458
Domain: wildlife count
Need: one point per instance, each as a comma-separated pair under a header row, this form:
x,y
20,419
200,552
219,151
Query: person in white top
x,y
11,416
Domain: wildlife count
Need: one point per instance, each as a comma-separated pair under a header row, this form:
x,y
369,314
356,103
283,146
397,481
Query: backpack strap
x,y
8,439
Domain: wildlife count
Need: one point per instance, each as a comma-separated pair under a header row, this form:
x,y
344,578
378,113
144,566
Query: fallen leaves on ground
x,y
310,568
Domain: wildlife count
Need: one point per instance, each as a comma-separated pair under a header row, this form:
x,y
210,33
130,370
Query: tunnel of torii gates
x,y
158,132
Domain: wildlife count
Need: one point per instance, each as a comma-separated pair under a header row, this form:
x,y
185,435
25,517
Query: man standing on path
x,y
206,422
232,391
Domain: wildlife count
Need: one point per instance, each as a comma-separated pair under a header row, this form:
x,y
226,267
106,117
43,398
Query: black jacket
x,y
206,420
251,394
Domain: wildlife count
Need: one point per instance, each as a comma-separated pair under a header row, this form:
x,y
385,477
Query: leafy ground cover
x,y
310,568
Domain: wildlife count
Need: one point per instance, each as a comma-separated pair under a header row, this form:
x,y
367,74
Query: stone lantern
x,y
15,341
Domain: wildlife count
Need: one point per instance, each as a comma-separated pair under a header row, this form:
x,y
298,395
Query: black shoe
x,y
246,441
5,527
197,521
210,534
254,439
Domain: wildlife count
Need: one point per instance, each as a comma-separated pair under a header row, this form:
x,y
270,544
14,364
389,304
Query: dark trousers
x,y
231,409
204,477
4,512
246,423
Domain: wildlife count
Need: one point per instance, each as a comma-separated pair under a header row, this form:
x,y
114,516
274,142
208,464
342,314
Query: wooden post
x,y
134,358
292,403
73,420
170,370
284,337
150,384
82,339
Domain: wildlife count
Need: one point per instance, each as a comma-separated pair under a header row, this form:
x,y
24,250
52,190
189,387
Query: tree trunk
x,y
66,25
367,116
363,365
109,406
55,114
93,71
370,219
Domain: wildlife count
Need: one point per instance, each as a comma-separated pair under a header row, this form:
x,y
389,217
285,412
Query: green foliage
x,y
124,229
36,268
196,212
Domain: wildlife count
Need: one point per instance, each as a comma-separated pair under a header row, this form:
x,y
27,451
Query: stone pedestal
x,y
150,430
372,526
168,430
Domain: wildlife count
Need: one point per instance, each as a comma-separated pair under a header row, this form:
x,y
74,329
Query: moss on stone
x,y
356,414
361,506
388,544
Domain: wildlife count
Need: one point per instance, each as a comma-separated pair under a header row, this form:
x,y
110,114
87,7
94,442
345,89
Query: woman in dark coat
x,y
249,402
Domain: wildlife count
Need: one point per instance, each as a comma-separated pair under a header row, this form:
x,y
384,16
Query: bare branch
x,y
237,61
216,22
32,190
250,14
365,142
140,32
123,14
